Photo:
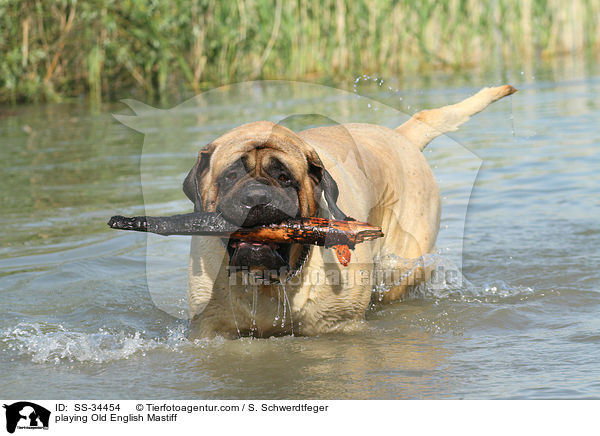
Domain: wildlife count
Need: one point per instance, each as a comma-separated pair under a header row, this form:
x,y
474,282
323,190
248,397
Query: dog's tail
x,y
427,125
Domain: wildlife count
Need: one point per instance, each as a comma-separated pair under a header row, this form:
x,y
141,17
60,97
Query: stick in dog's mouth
x,y
307,231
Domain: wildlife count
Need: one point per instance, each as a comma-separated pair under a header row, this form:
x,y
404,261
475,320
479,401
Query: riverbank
x,y
104,50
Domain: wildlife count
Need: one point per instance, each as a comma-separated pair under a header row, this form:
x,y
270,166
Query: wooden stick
x,y
310,231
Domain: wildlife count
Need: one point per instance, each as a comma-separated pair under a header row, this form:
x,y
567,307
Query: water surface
x,y
79,320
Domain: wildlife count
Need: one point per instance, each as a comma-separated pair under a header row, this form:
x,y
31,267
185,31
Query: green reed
x,y
105,49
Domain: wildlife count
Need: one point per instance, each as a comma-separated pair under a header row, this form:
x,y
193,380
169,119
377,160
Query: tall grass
x,y
50,49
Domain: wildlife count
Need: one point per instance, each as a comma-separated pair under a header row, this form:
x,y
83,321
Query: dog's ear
x,y
327,185
191,184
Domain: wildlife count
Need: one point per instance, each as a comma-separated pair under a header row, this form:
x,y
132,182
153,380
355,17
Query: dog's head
x,y
257,174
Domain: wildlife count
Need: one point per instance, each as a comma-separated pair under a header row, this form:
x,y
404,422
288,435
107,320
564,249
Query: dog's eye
x,y
284,178
231,176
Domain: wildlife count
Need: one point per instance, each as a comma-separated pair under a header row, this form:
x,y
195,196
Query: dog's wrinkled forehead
x,y
280,142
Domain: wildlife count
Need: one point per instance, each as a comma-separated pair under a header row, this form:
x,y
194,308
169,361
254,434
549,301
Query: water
x,y
79,320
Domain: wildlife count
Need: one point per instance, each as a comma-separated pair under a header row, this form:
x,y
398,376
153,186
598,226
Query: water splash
x,y
284,306
253,310
237,327
53,343
495,292
454,287
287,300
278,305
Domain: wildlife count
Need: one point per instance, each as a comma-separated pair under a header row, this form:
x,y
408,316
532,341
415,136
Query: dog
x,y
262,173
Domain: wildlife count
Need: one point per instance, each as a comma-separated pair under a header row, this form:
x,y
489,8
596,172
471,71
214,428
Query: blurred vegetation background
x,y
153,49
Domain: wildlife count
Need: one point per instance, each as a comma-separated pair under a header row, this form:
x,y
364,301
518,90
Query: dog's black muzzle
x,y
258,204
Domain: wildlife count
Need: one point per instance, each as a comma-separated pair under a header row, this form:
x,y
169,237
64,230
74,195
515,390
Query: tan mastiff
x,y
262,173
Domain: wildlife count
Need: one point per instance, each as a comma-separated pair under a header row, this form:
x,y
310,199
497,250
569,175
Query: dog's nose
x,y
256,196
